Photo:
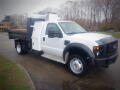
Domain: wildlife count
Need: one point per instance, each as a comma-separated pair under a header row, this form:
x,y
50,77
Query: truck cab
x,y
69,43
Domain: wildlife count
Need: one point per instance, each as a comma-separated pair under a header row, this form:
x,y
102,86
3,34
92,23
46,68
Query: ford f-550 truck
x,y
68,43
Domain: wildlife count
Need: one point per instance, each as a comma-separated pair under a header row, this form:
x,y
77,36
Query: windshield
x,y
71,28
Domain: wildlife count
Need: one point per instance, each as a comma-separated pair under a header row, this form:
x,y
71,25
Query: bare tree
x,y
92,12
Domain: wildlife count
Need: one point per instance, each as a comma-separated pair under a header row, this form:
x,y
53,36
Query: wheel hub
x,y
18,48
76,65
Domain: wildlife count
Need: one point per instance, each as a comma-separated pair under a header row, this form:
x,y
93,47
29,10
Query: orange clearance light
x,y
96,48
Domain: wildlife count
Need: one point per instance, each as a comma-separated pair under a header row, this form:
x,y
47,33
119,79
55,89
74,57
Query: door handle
x,y
43,38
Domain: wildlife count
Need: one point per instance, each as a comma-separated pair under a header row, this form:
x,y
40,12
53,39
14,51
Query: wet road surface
x,y
49,75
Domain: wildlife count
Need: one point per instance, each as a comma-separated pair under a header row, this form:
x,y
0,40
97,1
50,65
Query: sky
x,y
9,7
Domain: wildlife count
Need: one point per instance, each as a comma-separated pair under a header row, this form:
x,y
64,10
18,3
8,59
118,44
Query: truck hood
x,y
89,36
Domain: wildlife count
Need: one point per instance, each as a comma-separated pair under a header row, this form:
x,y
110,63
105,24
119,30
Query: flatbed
x,y
18,34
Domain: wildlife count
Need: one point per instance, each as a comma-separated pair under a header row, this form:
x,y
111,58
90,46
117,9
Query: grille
x,y
112,48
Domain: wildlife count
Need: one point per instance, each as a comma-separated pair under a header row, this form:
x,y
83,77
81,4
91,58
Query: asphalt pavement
x,y
50,75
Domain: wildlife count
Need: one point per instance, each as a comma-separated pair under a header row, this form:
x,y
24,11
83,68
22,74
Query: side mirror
x,y
52,34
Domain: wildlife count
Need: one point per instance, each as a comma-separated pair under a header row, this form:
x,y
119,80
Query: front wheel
x,y
77,65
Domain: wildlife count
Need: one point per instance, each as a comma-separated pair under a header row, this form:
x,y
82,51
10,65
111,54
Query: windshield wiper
x,y
76,32
80,32
72,33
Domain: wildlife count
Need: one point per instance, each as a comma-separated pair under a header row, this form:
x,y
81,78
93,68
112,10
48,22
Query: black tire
x,y
21,48
76,61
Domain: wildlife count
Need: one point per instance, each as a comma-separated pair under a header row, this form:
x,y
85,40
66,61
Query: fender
x,y
81,46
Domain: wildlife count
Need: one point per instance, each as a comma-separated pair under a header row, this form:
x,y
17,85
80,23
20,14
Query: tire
x,y
77,65
21,48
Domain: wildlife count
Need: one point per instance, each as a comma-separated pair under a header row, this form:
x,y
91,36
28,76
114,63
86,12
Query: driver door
x,y
53,45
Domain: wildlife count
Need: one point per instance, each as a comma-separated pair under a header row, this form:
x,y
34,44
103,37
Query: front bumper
x,y
106,61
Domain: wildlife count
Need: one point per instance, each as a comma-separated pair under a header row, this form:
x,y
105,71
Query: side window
x,y
52,26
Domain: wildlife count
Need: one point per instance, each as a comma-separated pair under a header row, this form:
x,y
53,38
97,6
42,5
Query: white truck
x,y
68,43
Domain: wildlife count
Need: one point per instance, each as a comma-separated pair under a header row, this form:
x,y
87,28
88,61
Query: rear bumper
x,y
106,61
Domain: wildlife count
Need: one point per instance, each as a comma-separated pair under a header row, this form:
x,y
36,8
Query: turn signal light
x,y
97,48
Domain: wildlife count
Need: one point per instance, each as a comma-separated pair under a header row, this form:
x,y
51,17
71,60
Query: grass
x,y
114,34
12,77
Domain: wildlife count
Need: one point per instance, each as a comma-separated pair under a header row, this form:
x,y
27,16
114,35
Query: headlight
x,y
98,50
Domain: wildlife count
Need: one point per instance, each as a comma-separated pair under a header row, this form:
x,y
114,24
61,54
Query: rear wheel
x,y
77,65
21,48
